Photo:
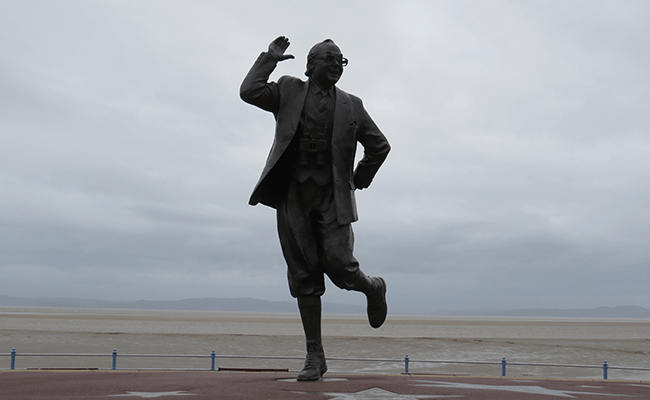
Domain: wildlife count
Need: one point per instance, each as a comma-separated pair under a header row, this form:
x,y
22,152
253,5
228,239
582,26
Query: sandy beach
x,y
422,338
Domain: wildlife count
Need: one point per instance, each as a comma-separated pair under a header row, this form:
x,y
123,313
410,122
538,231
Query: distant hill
x,y
206,304
599,312
256,305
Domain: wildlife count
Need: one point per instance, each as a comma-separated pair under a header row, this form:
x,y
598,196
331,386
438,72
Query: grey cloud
x,y
518,174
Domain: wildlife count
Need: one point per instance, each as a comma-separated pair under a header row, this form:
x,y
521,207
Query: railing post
x,y
406,364
503,366
604,369
212,357
114,359
13,358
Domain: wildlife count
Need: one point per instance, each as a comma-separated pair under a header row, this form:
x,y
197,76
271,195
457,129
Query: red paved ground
x,y
18,385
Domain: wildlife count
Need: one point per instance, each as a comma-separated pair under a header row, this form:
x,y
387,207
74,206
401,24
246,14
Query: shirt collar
x,y
313,87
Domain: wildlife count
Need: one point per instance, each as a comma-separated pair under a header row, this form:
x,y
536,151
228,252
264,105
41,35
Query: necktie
x,y
322,103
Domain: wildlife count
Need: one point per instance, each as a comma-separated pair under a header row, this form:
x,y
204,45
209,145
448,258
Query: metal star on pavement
x,y
378,394
512,388
151,395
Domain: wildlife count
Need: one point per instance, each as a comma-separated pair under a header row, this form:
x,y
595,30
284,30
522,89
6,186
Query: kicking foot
x,y
377,307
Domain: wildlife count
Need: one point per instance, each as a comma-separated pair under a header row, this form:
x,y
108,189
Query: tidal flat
x,y
429,341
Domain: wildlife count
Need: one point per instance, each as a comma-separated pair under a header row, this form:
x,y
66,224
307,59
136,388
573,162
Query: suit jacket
x,y
352,124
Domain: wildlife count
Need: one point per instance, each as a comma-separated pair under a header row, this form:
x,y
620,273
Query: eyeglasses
x,y
331,59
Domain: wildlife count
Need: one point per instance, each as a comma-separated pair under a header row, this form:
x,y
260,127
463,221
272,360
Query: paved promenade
x,y
52,385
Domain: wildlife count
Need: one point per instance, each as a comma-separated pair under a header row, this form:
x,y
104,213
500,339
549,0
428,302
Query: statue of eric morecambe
x,y
309,178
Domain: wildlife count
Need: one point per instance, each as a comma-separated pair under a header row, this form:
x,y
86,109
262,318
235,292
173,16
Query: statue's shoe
x,y
315,365
377,307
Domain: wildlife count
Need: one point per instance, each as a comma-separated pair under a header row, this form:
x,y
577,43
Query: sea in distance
x,y
435,345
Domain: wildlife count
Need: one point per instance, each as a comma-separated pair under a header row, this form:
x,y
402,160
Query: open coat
x,y
352,124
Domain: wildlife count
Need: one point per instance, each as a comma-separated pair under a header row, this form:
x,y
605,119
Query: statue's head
x,y
325,63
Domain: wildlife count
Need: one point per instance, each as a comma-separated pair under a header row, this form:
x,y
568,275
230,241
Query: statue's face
x,y
327,64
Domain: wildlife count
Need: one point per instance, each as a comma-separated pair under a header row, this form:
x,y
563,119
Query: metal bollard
x,y
213,357
114,359
13,358
503,366
406,364
604,369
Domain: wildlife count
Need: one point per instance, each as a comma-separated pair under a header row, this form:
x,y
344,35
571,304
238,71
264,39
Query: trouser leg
x,y
343,269
338,260
299,245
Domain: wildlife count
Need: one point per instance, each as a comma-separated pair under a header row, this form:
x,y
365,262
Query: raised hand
x,y
278,47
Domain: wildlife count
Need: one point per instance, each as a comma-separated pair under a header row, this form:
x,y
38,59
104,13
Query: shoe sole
x,y
323,369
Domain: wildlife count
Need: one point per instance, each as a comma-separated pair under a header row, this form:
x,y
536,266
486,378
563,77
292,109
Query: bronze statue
x,y
309,179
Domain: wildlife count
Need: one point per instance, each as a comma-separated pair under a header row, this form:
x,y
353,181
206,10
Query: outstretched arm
x,y
256,89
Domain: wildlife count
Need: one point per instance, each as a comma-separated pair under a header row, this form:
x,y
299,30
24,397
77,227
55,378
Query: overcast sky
x,y
519,175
